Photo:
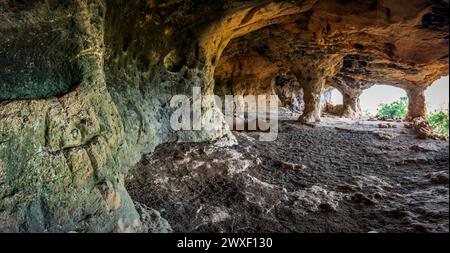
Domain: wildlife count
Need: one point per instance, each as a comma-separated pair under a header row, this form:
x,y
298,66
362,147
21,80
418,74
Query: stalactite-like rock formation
x,y
85,85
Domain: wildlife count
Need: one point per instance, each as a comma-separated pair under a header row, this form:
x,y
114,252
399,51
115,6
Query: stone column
x,y
417,106
351,105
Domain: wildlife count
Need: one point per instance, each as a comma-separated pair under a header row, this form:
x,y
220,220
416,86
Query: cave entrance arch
x,y
437,96
371,99
336,97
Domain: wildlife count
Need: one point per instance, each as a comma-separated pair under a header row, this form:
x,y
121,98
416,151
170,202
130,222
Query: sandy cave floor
x,y
339,176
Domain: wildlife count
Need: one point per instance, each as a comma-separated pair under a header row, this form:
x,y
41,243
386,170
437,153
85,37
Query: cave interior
x,y
86,142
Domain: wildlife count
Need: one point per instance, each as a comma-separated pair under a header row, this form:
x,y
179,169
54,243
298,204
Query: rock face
x,y
86,84
287,186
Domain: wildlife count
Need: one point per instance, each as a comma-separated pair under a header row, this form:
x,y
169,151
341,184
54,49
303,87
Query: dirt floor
x,y
337,176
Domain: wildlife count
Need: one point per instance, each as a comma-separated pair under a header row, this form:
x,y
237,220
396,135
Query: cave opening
x,y
312,167
376,96
336,97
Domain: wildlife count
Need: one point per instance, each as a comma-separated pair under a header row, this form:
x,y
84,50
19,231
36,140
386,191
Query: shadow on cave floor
x,y
339,176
